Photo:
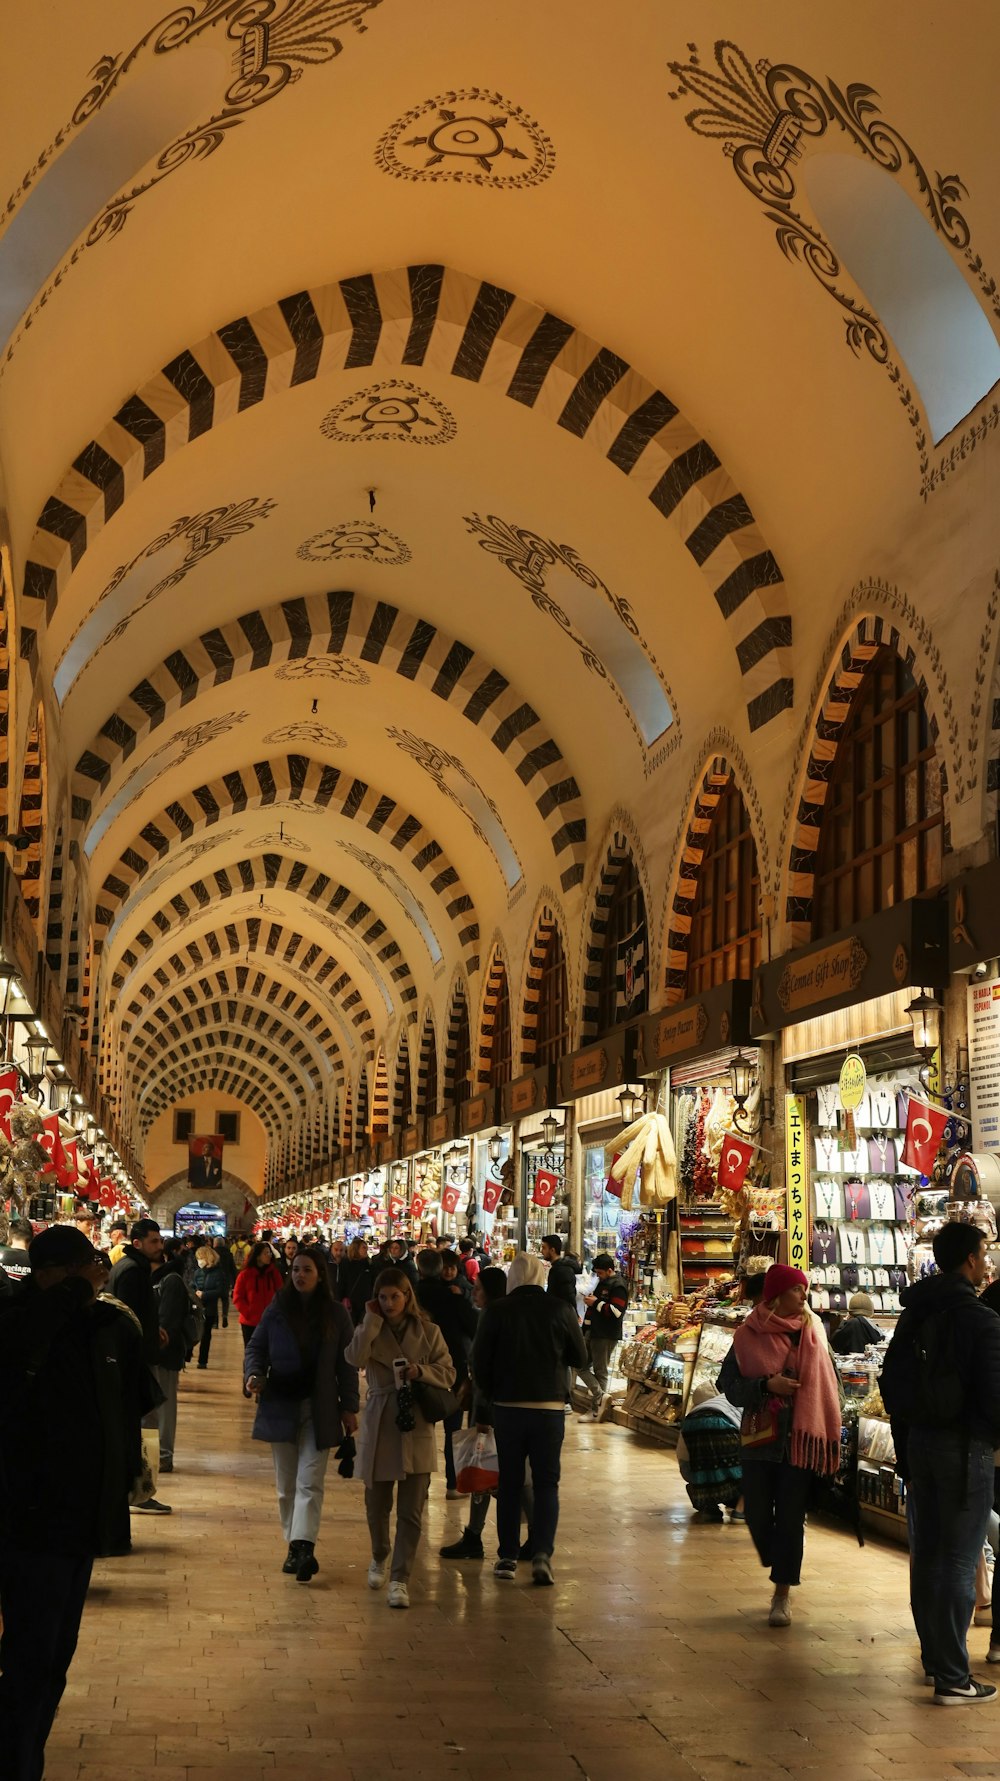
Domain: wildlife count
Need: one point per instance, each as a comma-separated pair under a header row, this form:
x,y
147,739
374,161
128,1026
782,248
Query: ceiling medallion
x,y
395,409
340,668
359,538
306,732
471,136
278,838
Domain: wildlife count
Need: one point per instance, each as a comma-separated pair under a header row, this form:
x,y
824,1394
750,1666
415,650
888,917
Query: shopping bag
x,y
476,1465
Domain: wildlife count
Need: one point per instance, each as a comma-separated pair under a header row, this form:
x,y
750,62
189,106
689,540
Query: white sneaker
x,y
376,1573
781,1612
399,1595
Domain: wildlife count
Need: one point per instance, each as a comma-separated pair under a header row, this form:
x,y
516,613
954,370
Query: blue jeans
x,y
535,1436
950,1497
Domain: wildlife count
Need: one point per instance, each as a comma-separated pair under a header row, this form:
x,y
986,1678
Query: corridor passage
x,y
649,1661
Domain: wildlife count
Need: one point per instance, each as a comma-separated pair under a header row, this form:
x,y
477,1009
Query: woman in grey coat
x,y
397,1344
307,1399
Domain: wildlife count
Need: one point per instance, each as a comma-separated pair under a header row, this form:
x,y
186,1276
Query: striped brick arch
x,y
714,782
269,1103
255,942
456,324
54,914
620,849
870,635
293,779
402,1083
497,979
28,860
235,1048
243,986
547,922
347,1136
380,1098
458,1011
428,1074
271,872
6,612
362,1124
362,629
161,1029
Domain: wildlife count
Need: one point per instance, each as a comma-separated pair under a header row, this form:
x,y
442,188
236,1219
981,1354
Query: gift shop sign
x,y
984,1064
795,1182
832,971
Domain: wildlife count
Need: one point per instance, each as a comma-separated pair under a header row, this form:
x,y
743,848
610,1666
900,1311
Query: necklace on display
x,y
826,1198
826,1101
829,1156
881,1244
857,1198
883,1108
854,1243
883,1200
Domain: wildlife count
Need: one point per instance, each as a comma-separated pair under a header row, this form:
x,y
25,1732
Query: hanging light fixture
x,y
398,1177
90,1131
552,1131
632,1102
925,1017
495,1148
37,1049
59,1093
742,1077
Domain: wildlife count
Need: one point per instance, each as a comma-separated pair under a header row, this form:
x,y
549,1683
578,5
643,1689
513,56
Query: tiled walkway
x,y
650,1660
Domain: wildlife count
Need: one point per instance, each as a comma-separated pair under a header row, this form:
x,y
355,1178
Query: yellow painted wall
x,y
246,1159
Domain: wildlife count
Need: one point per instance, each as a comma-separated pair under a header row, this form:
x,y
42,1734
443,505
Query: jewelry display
x,y
857,1201
853,1248
881,1244
829,1203
828,1154
883,1201
881,1155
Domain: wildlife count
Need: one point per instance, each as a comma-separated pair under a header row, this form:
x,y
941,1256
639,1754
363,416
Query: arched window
x,y
623,988
500,1044
552,1030
362,1132
461,1088
725,920
429,1071
882,829
404,1087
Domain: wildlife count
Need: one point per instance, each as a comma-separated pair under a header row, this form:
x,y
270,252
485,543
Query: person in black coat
x,y
564,1270
354,1287
857,1331
447,1306
73,1387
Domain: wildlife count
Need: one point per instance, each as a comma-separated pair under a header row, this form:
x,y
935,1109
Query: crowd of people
x,y
94,1341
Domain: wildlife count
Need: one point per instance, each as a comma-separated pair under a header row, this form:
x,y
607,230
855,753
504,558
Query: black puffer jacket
x,y
454,1317
974,1344
563,1275
523,1347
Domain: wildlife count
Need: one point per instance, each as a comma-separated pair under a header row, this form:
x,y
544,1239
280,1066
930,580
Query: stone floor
x,y
650,1660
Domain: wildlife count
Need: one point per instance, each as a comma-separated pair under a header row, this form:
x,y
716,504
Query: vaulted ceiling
x,y
421,430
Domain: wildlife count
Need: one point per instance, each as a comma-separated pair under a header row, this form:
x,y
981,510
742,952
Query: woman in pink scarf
x,y
783,1359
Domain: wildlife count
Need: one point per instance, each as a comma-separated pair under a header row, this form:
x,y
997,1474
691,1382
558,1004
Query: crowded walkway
x,y
650,1660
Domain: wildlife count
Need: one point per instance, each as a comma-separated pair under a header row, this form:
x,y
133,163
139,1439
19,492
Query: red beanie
x,y
780,1277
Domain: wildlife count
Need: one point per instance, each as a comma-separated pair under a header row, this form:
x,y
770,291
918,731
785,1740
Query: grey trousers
x,y
410,1499
166,1415
300,1473
595,1377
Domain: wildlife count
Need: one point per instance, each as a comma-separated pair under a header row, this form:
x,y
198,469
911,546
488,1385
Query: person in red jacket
x,y
257,1283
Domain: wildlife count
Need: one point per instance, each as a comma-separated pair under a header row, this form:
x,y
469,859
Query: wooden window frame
x,y
725,938
626,910
552,1024
502,1040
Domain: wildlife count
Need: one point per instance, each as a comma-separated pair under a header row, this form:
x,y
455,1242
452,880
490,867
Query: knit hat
x,y
61,1246
860,1302
780,1277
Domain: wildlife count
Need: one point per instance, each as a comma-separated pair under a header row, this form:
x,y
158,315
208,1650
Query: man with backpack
x,y
941,1386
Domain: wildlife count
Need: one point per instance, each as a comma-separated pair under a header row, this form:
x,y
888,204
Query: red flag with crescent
x,y
397,1205
737,1155
924,1131
10,1084
491,1195
544,1191
450,1197
418,1202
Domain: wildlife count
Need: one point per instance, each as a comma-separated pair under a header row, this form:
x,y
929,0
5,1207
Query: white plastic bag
x,y
476,1466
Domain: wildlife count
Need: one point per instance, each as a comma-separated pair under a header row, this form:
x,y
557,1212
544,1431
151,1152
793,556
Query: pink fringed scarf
x,y
762,1349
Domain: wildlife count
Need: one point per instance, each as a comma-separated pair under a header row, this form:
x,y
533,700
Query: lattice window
x,y
882,829
461,1087
626,914
552,1031
501,1056
725,921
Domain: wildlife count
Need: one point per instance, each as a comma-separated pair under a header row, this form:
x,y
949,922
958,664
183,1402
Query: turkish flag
x,y
355,1209
106,1196
450,1197
51,1143
69,1175
10,1082
924,1131
491,1195
737,1155
544,1191
418,1204
397,1205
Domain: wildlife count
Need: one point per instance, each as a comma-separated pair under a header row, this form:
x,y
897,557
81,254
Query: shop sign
x,y
411,1140
853,1082
718,1017
680,1032
584,1073
524,1096
479,1112
832,971
984,1064
439,1126
795,1182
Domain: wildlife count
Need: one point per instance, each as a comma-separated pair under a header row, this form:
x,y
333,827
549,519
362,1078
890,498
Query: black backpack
x,y
921,1381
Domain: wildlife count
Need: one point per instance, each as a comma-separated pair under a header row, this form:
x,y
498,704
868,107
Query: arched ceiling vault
x,y
366,575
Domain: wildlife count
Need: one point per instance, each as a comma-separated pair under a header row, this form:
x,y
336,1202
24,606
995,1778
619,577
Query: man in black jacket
x,y
524,1346
563,1270
602,1325
173,1304
71,1396
131,1281
448,1307
941,1386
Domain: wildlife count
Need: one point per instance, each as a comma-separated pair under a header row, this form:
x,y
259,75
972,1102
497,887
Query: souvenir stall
x,y
595,1083
493,1165
537,1198
405,1144
859,1023
477,1123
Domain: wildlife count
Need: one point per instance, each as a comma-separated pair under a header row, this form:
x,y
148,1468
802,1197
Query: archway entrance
x,y
200,1215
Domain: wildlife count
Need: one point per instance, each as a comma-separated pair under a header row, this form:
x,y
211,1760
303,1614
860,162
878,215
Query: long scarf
x,y
763,1348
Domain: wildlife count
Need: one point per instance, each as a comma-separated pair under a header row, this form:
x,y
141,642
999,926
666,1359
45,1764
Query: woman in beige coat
x,y
395,1337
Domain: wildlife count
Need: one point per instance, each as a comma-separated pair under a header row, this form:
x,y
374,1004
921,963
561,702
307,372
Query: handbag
x,y
435,1402
767,1428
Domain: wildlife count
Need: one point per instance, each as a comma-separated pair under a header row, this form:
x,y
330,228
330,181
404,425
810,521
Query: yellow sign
x,y
821,975
795,1183
853,1082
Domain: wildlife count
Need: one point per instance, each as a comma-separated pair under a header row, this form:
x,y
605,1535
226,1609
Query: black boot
x,y
307,1566
291,1563
469,1546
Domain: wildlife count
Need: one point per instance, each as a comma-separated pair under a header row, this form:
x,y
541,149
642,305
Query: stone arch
x,y
868,635
231,1194
428,1072
547,920
622,844
364,630
30,859
182,1079
292,780
54,914
716,773
454,322
380,1096
6,687
402,1081
148,1047
497,972
245,987
362,1118
234,1049
273,872
347,1128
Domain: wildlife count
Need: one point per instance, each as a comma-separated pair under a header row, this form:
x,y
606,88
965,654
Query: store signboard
x,y
479,1112
440,1127
597,1067
705,1024
528,1094
412,1140
795,1183
984,1064
853,1082
900,947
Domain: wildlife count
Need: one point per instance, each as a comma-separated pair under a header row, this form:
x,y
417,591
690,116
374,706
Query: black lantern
x,y
742,1077
925,1017
632,1102
552,1131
